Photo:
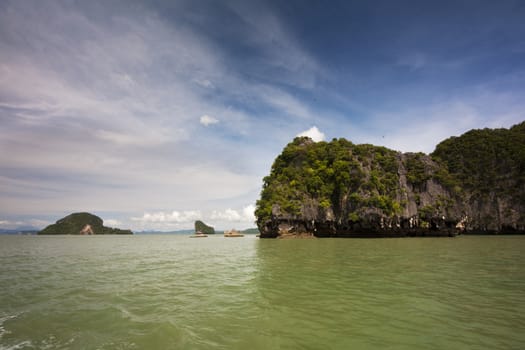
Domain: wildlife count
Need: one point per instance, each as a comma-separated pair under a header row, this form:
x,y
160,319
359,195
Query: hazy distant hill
x,y
23,230
251,231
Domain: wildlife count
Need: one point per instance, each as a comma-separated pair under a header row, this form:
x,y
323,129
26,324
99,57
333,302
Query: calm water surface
x,y
172,292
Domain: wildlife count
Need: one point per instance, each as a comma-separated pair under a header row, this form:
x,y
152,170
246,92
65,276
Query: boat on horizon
x,y
233,233
199,234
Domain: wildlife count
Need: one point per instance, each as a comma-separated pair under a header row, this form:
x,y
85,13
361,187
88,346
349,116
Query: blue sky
x,y
154,114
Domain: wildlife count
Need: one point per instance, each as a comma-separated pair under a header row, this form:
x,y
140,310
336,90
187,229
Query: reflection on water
x,y
172,292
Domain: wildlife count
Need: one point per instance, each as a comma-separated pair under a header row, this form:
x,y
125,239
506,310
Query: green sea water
x,y
173,292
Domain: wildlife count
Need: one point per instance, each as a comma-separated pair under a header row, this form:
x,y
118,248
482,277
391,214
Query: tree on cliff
x,y
487,160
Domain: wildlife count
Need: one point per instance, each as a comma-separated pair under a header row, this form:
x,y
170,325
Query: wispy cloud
x,y
24,224
145,139
107,97
282,58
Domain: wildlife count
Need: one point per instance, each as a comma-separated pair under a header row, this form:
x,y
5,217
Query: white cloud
x,y
226,215
175,220
249,212
231,215
13,224
206,120
313,133
175,217
241,218
165,220
112,222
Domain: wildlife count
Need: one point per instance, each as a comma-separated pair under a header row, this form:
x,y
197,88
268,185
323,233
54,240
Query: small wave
x,y
3,331
2,328
21,345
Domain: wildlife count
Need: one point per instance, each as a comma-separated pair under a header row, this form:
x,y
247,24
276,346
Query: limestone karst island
x,y
81,224
474,183
203,228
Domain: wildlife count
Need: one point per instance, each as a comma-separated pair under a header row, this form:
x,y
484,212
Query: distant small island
x,y
203,228
82,224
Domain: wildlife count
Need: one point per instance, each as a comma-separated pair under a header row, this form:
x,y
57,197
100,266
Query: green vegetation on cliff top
x,y
487,160
330,173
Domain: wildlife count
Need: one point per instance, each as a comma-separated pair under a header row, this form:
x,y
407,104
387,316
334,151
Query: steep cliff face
x,y
339,189
490,167
81,224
